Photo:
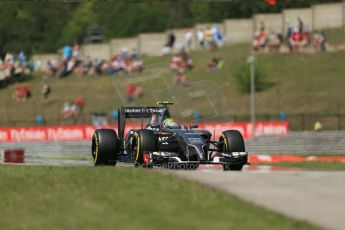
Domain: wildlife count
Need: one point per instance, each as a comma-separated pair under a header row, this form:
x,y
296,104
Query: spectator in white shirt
x,y
201,37
188,39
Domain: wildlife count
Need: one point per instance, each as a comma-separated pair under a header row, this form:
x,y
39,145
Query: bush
x,y
241,76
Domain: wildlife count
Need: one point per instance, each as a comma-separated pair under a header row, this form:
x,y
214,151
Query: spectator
x,y
135,55
296,40
260,41
9,58
300,25
196,115
209,38
201,37
319,41
53,67
46,90
88,67
124,53
217,35
98,66
75,51
171,40
134,92
167,49
306,37
215,64
181,62
67,52
69,65
72,109
299,37
22,58
21,93
180,79
318,126
288,31
262,26
274,42
115,65
282,116
66,110
80,102
188,39
39,120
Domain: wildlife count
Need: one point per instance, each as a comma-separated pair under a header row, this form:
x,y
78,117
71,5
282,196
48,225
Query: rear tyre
x,y
105,147
143,141
233,142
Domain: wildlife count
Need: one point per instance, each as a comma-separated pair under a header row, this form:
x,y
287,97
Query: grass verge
x,y
121,198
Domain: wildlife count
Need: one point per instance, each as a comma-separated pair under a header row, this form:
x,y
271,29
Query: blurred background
x,y
76,63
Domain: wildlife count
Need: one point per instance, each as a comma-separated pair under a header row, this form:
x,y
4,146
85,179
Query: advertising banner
x,y
85,132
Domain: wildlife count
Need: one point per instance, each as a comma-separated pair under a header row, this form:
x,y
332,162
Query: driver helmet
x,y
168,122
153,120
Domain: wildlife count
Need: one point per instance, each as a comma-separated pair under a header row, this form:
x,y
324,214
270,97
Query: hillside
x,y
310,84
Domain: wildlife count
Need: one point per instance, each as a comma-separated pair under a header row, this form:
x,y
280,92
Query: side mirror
x,y
194,126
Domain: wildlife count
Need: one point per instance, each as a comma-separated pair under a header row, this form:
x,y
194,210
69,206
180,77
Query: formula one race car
x,y
165,143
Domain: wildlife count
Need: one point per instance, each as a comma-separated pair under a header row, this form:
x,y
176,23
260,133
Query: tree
x,y
83,17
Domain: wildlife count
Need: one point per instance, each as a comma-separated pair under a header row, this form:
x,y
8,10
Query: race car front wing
x,y
222,158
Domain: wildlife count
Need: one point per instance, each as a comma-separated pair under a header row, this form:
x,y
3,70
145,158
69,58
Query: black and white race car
x,y
162,142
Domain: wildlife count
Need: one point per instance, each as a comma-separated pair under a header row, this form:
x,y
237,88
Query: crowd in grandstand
x,y
127,62
12,66
296,39
124,62
209,38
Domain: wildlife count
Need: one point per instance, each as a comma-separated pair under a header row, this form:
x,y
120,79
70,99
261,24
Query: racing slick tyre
x,y
144,141
233,142
105,147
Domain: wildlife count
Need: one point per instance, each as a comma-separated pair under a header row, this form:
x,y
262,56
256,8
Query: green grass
x,y
319,166
122,198
334,35
301,83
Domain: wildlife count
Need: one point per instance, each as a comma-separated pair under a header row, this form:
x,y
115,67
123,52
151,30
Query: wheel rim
x,y
94,149
225,146
136,150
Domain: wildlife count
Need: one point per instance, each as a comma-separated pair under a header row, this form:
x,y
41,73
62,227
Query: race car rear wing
x,y
136,112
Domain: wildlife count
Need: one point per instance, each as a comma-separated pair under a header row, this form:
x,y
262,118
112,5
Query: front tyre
x,y
143,141
105,147
233,142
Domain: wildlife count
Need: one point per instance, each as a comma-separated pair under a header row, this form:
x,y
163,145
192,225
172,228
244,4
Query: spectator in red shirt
x,y
21,93
134,92
296,40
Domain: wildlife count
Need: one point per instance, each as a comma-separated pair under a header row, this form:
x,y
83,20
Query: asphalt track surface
x,y
315,197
